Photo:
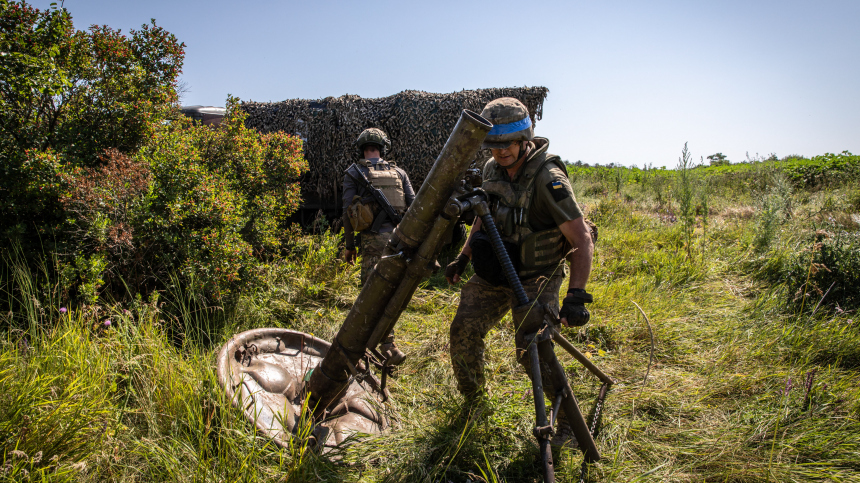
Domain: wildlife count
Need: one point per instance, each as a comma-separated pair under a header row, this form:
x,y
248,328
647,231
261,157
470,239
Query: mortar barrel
x,y
427,253
329,380
460,149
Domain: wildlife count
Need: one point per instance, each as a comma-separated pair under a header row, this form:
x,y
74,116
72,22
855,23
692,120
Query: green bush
x,y
826,272
207,204
97,180
66,97
825,170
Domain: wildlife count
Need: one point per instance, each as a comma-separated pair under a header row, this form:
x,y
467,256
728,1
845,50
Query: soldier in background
x,y
360,212
533,206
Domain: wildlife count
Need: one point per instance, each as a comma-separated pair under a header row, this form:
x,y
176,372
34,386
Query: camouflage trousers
x,y
481,307
372,245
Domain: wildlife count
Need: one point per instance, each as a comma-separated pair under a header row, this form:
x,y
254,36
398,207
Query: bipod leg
x,y
569,404
579,356
543,430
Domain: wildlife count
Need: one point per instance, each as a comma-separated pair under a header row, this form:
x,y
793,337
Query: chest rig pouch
x,y
510,203
384,177
363,209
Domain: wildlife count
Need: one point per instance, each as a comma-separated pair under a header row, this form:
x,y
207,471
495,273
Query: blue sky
x,y
630,82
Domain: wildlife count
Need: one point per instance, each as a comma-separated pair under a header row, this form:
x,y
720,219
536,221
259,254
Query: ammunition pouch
x,y
541,250
361,214
484,260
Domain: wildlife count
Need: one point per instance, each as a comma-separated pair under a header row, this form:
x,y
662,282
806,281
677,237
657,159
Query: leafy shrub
x,y
825,170
103,206
208,204
94,174
66,97
829,265
835,265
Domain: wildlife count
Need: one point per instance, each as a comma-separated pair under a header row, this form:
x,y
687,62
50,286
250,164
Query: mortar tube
x,y
330,378
442,179
427,252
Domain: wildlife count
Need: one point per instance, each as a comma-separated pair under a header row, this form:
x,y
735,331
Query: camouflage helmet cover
x,y
373,136
511,122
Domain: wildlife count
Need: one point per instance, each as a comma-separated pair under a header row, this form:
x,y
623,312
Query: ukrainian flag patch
x,y
557,190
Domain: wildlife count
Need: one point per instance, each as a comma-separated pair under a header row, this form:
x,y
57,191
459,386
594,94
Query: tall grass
x,y
685,195
745,385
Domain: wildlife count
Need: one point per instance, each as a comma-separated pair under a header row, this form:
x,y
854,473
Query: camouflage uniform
x,y
483,305
528,209
395,185
372,245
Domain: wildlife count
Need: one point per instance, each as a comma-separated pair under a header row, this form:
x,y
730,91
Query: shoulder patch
x,y
556,189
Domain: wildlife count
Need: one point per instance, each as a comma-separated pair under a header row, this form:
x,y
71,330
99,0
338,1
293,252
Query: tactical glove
x,y
573,307
457,267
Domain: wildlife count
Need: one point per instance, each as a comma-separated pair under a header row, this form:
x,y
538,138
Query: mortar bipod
x,y
539,347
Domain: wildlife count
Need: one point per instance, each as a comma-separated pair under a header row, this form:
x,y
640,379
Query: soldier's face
x,y
507,156
371,152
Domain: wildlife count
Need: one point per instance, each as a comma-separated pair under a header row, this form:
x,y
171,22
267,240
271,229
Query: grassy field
x,y
751,288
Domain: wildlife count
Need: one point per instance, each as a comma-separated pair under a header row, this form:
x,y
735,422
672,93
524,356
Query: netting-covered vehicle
x,y
206,115
417,122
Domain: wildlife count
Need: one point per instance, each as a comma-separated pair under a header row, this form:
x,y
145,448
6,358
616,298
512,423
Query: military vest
x,y
510,203
385,178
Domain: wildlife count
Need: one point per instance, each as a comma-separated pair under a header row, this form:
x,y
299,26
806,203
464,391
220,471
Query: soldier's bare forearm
x,y
580,267
579,236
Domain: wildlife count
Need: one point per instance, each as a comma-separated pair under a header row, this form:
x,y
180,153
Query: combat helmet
x,y
511,122
373,136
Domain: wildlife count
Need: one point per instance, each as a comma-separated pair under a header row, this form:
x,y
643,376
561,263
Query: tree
x,y
718,159
93,172
67,96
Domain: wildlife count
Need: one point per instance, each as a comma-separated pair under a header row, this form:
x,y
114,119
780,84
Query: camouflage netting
x,y
418,124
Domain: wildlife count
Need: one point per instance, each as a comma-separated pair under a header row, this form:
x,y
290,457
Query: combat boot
x,y
563,437
390,351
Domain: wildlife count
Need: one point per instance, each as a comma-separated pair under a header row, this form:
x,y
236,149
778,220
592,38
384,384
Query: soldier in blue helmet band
x,y
542,227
